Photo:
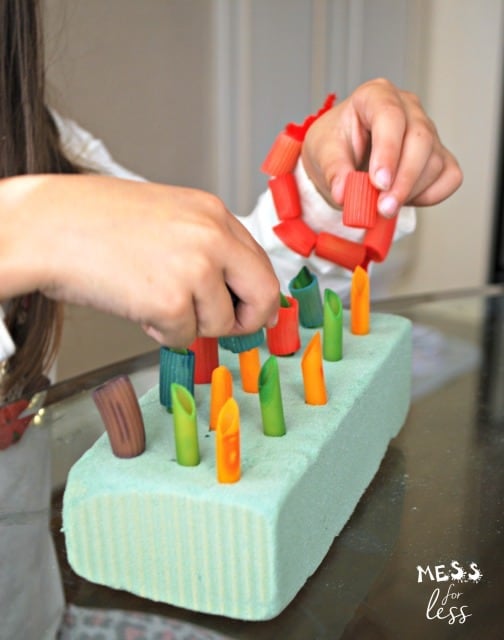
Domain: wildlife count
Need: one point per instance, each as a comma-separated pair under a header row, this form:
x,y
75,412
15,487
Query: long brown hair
x,y
29,143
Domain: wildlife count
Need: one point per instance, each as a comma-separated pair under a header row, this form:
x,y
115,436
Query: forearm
x,y
24,258
159,255
58,230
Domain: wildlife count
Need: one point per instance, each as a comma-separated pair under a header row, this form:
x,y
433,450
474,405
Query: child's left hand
x,y
386,131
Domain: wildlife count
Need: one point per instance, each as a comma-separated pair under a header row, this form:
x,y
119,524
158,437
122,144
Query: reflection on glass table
x,y
434,509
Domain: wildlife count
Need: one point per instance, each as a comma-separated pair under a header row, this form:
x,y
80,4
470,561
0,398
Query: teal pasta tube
x,y
175,365
305,288
185,426
237,344
270,398
332,341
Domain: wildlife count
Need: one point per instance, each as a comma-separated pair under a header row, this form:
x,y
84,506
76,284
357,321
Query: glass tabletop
x,y
433,513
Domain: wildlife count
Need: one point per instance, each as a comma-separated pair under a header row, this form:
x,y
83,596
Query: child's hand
x,y
386,131
165,257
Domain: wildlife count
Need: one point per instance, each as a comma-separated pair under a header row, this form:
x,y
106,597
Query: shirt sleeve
x,y
89,152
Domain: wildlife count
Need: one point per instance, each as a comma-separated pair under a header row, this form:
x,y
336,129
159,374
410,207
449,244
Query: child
x,y
65,236
165,257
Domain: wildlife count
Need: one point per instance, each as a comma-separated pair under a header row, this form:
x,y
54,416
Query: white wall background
x,y
286,56
194,91
462,88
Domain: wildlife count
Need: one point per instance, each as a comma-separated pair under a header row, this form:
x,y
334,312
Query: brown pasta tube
x,y
118,406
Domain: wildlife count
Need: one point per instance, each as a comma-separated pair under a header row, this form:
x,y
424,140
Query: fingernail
x,y
337,190
383,179
388,206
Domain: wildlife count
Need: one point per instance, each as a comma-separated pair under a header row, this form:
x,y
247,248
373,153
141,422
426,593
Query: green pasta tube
x,y
305,288
185,426
332,341
270,397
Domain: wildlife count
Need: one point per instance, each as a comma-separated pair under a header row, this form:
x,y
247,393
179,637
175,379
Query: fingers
x,y
386,131
172,322
257,307
447,183
427,174
250,276
374,123
420,164
333,147
233,290
207,312
213,304
407,157
381,111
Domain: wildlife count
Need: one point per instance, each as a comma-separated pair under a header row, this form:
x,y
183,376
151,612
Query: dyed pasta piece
x,y
304,287
185,426
175,365
228,443
283,339
345,253
332,336
360,201
206,358
360,303
313,372
270,398
237,344
117,403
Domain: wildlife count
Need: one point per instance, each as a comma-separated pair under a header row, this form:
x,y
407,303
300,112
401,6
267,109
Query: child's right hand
x,y
386,131
162,256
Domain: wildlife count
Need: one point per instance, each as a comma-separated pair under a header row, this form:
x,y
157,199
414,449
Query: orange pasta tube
x,y
360,302
221,390
228,442
250,367
313,372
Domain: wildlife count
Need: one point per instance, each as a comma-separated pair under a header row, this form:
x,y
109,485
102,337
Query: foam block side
x,y
174,534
